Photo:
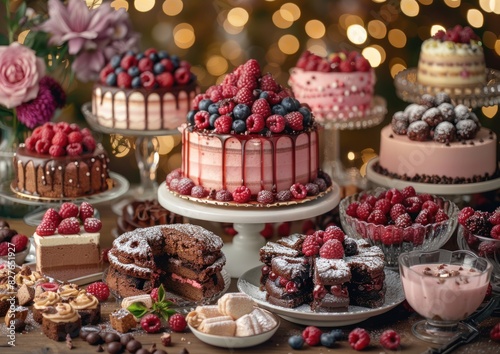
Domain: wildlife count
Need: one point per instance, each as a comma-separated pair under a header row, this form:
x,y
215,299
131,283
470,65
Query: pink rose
x,y
20,72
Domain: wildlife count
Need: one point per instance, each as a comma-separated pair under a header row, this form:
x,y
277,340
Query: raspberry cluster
x,y
457,34
436,118
68,220
8,235
484,224
248,102
186,186
344,62
401,209
99,289
149,69
60,139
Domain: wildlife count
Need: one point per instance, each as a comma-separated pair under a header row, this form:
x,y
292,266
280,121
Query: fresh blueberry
x,y
190,116
306,113
136,82
175,60
139,56
289,103
212,119
111,79
119,70
350,247
239,126
163,54
338,334
241,111
158,68
264,95
130,52
204,104
134,71
153,57
327,340
296,342
279,109
115,61
213,108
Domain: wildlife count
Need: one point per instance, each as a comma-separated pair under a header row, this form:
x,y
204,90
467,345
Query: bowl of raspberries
x,y
399,221
479,232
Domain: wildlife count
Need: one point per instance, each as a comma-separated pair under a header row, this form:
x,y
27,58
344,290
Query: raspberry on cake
x,y
435,141
60,161
144,91
69,248
341,82
247,135
452,58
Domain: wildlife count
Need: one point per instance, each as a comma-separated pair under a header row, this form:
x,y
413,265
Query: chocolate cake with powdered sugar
x,y
292,278
186,258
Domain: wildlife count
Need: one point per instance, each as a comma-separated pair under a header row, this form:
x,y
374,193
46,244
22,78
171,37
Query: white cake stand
x,y
243,253
437,189
146,150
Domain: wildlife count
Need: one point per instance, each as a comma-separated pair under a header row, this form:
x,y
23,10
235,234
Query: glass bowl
x,y
444,287
18,257
483,246
394,240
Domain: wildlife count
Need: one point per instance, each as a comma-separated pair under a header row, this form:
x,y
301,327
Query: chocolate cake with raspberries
x,y
187,259
329,272
248,140
151,90
60,161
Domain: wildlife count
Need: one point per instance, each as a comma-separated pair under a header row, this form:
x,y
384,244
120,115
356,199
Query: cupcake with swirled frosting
x,y
60,320
68,291
42,301
88,308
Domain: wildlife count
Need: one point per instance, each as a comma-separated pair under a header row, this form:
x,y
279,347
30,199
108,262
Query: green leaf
x,y
138,309
4,40
161,293
21,11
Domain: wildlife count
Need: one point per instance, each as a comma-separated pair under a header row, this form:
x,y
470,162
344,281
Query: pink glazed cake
x,y
249,140
437,142
343,82
144,91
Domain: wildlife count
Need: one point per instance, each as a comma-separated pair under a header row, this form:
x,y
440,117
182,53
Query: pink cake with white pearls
x,y
248,140
343,82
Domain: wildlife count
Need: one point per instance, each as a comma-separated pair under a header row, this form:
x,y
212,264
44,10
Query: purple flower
x,y
88,64
55,89
38,111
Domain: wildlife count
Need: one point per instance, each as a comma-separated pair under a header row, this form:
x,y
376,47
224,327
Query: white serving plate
x,y
235,342
249,283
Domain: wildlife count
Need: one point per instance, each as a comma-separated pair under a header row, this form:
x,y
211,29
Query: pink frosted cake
x,y
249,140
343,82
451,59
437,143
145,91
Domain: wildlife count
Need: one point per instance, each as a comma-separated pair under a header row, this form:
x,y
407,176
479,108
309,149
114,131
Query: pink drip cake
x,y
248,140
339,84
437,142
144,91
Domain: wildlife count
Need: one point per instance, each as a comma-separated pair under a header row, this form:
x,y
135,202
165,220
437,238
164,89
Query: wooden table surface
x,y
399,319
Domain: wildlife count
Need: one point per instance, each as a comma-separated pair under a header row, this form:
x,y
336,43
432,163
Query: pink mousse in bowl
x,y
443,286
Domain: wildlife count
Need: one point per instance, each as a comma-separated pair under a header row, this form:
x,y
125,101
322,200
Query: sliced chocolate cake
x,y
331,277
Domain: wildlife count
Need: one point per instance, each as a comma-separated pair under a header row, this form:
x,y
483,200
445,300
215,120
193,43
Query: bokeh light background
x,y
216,36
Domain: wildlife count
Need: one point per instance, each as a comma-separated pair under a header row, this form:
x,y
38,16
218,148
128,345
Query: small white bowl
x,y
235,342
19,256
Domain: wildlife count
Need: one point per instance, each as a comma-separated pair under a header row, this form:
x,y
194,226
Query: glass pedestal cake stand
x,y
243,253
146,151
333,122
410,90
121,186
